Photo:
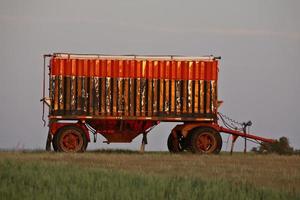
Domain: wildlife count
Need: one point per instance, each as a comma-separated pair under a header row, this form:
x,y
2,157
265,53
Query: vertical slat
x,y
167,86
103,96
79,95
143,96
68,93
213,96
161,86
56,92
178,88
85,94
138,97
184,96
167,96
155,96
208,100
161,95
120,97
190,97
202,96
150,97
173,96
132,96
61,93
91,95
115,95
109,95
126,96
97,99
51,92
196,95
73,93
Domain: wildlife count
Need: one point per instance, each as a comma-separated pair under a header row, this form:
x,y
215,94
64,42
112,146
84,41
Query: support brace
x,y
234,137
144,142
48,142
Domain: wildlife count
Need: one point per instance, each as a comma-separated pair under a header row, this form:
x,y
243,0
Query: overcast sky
x,y
259,42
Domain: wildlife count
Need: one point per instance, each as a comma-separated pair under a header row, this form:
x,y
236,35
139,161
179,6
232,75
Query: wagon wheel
x,y
205,140
70,139
176,145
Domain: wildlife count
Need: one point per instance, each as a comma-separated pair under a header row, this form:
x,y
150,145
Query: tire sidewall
x,y
200,131
59,134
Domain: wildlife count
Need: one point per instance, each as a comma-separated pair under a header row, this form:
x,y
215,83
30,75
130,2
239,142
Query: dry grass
x,y
281,173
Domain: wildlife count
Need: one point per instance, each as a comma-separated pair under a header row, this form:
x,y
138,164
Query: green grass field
x,y
130,175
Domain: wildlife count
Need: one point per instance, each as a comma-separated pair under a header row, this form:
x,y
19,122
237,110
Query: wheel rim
x,y
206,142
71,141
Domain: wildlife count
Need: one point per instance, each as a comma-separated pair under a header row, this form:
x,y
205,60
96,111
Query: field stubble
x,y
273,173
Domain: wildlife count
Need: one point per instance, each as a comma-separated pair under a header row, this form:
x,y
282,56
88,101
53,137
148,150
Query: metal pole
x,y
245,147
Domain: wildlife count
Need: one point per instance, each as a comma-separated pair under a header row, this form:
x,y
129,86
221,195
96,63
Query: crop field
x,y
153,175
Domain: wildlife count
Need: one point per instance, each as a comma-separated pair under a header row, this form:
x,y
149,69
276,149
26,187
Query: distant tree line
x,y
281,146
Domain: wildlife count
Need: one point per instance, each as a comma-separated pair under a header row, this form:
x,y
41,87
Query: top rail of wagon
x,y
135,57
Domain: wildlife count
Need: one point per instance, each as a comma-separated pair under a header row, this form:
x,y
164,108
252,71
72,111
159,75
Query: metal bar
x,y
126,97
178,96
115,95
120,96
173,96
161,95
103,96
167,96
196,101
97,100
238,133
208,100
68,93
132,96
185,96
44,85
85,94
136,57
108,96
138,97
131,117
202,96
155,97
61,93
150,96
143,96
190,97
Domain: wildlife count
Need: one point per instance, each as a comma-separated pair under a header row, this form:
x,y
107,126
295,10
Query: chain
x,y
231,123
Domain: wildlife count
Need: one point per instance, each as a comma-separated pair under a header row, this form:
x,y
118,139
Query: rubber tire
x,y
172,148
197,132
57,137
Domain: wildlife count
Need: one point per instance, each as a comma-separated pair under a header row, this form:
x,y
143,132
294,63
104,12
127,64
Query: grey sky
x,y
259,42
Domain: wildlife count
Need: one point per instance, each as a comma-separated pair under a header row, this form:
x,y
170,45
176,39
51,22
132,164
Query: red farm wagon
x,y
121,97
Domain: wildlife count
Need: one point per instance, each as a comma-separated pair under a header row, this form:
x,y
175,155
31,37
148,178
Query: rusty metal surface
x,y
164,90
